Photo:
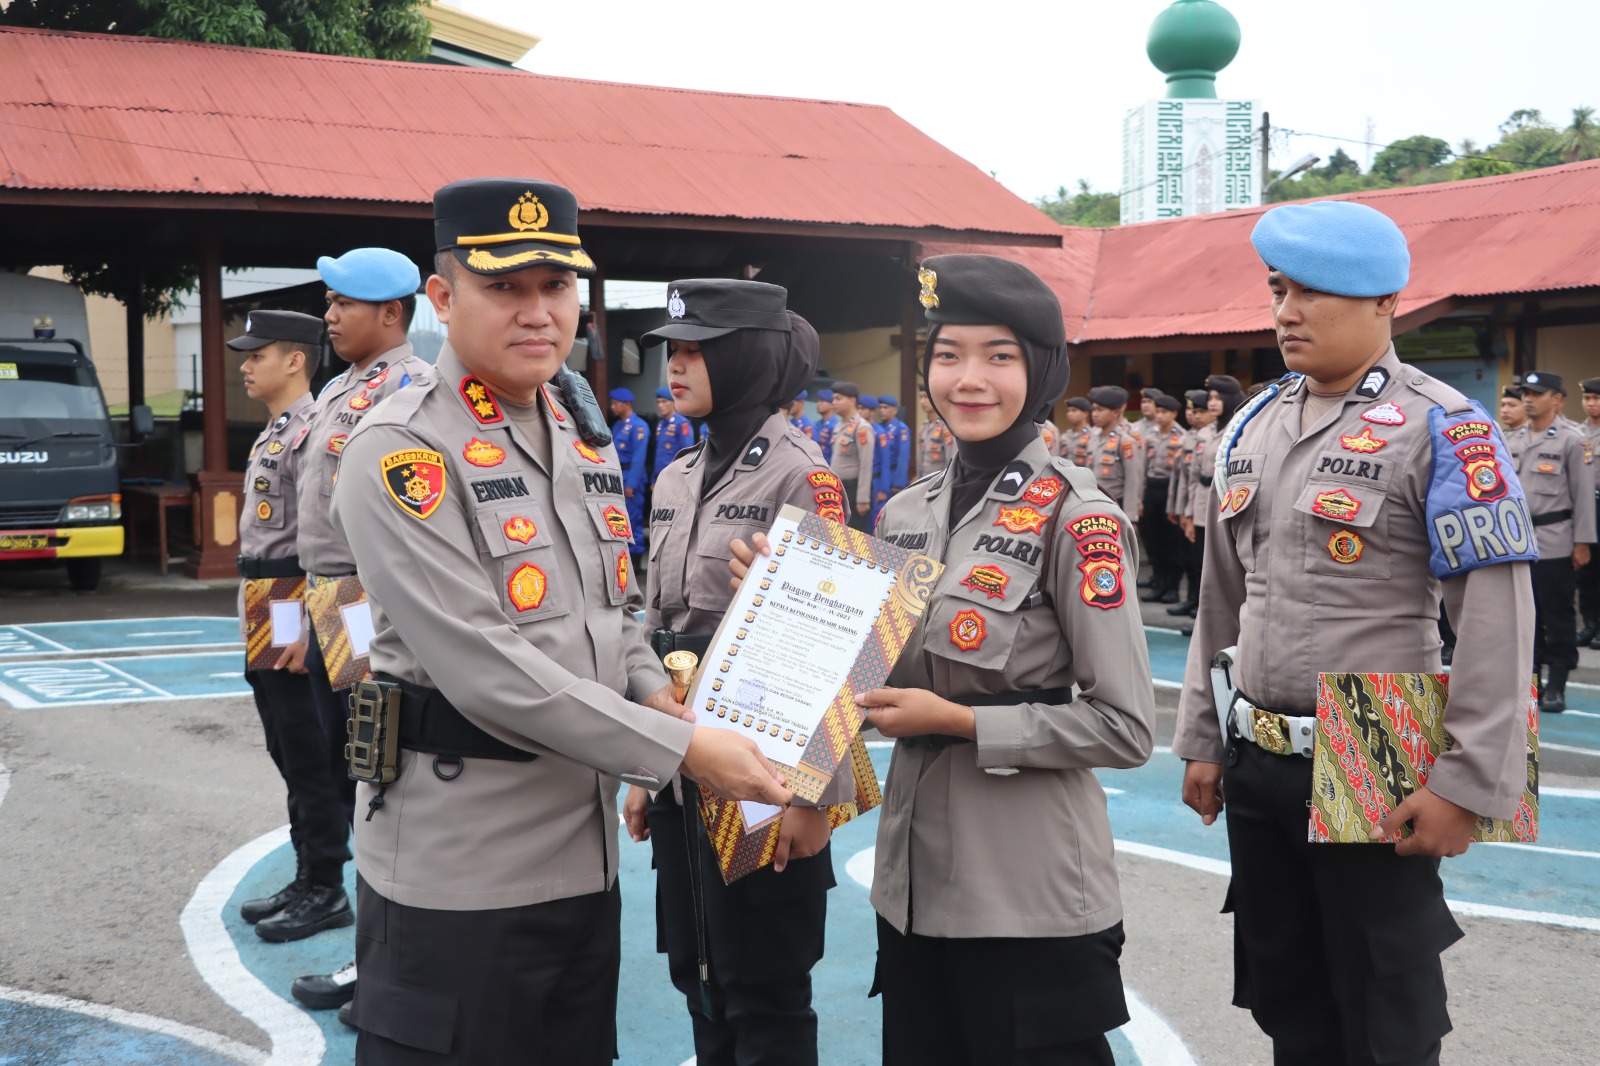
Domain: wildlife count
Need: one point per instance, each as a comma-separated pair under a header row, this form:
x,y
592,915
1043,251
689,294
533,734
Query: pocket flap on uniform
x,y
409,1016
1067,1014
512,529
1398,944
1349,505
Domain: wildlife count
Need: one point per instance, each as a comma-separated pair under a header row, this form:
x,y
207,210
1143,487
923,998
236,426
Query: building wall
x,y
108,346
1574,353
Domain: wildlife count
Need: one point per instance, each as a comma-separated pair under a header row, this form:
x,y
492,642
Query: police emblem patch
x,y
588,452
1385,414
1023,519
1102,582
1127,449
526,587
337,441
1363,442
1484,481
1238,497
1543,468
1043,491
1092,524
1338,505
1462,430
617,522
830,504
360,402
480,401
675,305
528,213
967,630
929,280
622,571
519,529
989,580
262,484
263,510
415,479
1346,546
824,479
482,453
275,448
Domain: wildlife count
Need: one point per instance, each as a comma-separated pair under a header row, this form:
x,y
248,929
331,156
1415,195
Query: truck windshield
x,y
51,392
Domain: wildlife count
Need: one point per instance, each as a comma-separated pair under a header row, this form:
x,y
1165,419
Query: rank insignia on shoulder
x,y
1014,477
282,420
375,374
1338,505
1022,519
1346,546
263,485
1363,442
415,479
337,441
989,580
263,510
480,401
757,452
1095,524
1385,414
519,529
1373,383
588,452
617,522
376,380
360,402
551,404
1102,581
482,453
1043,491
526,587
275,448
622,571
967,630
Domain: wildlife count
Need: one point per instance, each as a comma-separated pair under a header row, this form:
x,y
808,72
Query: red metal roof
x,y
107,113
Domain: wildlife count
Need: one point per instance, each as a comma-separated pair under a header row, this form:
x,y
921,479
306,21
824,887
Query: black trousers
x,y
1589,580
862,522
1555,632
534,985
318,827
755,1006
333,712
999,1001
1336,946
1161,537
1194,553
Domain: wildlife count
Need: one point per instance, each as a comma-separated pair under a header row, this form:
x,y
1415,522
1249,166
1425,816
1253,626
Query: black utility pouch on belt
x,y
373,749
664,642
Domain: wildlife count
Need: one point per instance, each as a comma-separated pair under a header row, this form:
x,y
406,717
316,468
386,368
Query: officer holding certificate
x,y
742,953
1346,501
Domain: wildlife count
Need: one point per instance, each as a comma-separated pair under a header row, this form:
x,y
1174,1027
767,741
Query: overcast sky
x,y
1036,92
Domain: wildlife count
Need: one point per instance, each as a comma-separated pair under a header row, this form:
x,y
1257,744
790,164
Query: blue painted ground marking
x,y
132,679
32,1036
119,635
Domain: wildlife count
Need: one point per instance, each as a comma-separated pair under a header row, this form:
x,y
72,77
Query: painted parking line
x,y
132,679
42,1028
119,635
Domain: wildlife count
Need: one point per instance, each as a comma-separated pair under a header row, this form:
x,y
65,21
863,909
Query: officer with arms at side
x,y
488,913
280,348
1553,466
1078,438
935,445
631,437
674,432
854,445
1589,576
827,423
1337,503
1115,454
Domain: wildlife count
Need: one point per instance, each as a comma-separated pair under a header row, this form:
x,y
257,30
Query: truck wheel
x,y
84,574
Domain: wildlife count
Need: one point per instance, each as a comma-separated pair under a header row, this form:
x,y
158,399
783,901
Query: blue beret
x,y
663,393
888,401
867,401
622,395
802,396
372,274
825,395
1335,246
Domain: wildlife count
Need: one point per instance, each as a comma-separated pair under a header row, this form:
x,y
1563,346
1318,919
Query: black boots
x,y
1553,697
325,991
319,907
254,910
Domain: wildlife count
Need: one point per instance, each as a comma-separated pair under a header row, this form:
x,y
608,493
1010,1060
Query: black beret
x,y
1543,381
1109,396
988,290
847,388
1151,393
1511,392
496,225
1167,403
701,308
1591,386
1224,383
262,328
1079,402
1197,398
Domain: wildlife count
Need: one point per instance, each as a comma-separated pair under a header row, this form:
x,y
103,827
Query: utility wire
x,y
1375,144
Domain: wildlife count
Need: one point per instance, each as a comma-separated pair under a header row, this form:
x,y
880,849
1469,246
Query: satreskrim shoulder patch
x,y
415,479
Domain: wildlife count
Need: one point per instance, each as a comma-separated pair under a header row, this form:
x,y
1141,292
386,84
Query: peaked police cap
x,y
497,225
701,308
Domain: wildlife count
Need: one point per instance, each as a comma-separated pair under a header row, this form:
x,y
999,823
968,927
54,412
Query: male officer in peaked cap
x,y
1341,507
493,538
1554,467
631,436
1589,576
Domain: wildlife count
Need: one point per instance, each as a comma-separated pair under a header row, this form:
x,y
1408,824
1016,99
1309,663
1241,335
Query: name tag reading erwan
x,y
824,617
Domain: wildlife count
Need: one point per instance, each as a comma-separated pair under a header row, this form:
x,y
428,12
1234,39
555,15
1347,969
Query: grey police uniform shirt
x,y
1117,459
510,597
1161,453
1556,475
1008,836
1177,487
341,406
1201,468
1286,583
853,444
689,589
267,526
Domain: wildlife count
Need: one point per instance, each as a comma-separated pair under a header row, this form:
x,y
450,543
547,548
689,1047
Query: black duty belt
x,y
1205,479
430,723
1552,518
665,641
940,741
251,568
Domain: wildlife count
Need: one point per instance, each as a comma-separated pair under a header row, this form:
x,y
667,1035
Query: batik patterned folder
x,y
261,651
1377,737
327,604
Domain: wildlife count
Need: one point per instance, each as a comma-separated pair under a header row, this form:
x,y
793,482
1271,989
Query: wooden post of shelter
x,y
218,492
599,364
133,304
910,358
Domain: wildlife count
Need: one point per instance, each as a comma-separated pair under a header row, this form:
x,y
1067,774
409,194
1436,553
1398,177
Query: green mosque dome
x,y
1190,42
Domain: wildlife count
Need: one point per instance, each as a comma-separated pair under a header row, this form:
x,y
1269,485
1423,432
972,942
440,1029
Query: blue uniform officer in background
x,y
827,423
899,443
798,419
631,436
674,433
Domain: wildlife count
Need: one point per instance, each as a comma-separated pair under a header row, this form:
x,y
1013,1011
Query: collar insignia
x,y
588,452
1373,383
1364,442
482,453
1014,477
757,452
377,368
1385,414
480,401
374,381
283,420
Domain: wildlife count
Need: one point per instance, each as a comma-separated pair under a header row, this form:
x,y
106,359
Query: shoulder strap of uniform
x,y
1241,418
1081,479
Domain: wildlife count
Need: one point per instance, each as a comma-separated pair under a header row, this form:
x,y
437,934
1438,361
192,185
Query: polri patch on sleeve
x,y
415,479
1475,511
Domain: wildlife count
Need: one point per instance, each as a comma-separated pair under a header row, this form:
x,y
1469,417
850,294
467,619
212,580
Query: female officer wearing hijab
x,y
999,916
737,358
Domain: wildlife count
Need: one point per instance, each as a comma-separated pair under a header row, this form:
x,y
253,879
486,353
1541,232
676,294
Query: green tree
x,y
1338,163
367,29
1409,157
1085,207
1580,140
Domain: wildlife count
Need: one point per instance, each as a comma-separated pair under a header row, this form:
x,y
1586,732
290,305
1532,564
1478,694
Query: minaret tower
x,y
1191,153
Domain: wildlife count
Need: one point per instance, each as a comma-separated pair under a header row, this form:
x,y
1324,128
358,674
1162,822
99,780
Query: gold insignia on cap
x,y
479,259
929,281
528,213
